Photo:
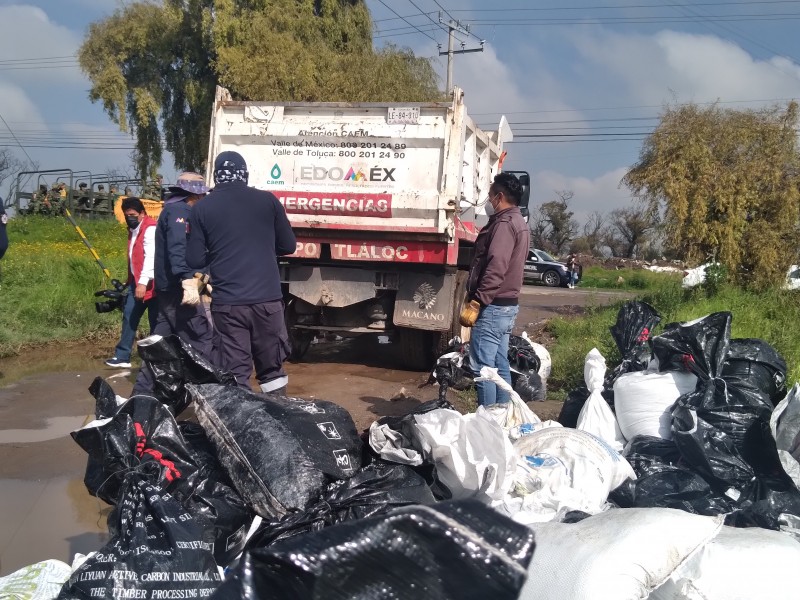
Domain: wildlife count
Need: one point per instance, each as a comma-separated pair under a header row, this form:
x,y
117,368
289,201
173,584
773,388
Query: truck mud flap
x,y
425,301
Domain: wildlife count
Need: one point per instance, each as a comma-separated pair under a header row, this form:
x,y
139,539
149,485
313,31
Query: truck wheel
x,y
300,339
442,339
416,348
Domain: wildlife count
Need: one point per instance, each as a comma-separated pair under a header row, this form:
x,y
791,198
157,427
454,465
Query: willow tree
x,y
155,65
725,184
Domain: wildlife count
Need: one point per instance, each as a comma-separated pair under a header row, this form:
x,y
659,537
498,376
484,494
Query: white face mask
x,y
490,210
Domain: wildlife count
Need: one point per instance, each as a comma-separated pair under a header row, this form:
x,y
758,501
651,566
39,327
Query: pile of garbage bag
x,y
529,364
662,472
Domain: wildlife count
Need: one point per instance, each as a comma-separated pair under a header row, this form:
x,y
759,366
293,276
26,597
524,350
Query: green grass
x,y
49,279
633,279
769,315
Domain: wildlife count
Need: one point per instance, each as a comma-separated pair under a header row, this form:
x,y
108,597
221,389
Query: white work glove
x,y
190,294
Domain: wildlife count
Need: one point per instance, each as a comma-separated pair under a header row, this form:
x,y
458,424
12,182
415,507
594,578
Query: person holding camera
x,y
141,295
494,284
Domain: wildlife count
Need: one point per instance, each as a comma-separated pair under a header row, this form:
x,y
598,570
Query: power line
x,y
531,112
407,21
621,6
30,160
738,34
641,20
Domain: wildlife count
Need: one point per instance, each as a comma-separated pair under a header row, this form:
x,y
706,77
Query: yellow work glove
x,y
469,313
190,294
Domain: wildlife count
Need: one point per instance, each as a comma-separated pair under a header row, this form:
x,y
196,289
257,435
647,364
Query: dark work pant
x,y
190,323
253,334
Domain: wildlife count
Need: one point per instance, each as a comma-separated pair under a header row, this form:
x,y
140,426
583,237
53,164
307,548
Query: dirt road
x,y
45,511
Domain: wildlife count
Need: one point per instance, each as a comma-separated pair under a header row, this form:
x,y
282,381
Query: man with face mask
x,y
494,284
237,232
141,295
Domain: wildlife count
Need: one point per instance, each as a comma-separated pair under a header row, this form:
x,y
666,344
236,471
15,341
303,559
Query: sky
x,y
582,83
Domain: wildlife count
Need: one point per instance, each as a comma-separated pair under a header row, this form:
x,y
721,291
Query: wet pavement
x,y
45,510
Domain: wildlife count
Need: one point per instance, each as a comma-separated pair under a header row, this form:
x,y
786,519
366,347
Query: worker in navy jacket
x,y
237,232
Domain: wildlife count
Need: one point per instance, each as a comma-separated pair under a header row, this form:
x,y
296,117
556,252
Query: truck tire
x,y
299,339
442,339
416,348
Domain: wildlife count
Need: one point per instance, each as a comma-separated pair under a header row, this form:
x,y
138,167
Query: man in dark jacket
x,y
238,232
180,309
495,281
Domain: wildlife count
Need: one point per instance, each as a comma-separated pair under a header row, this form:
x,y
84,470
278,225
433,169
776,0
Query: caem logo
x,y
275,175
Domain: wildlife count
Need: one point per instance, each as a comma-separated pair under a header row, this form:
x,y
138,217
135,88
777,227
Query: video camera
x,y
116,297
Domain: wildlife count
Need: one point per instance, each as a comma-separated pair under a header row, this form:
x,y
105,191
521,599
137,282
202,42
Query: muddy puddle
x,y
55,427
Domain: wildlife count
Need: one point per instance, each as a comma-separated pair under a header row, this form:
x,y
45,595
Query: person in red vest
x,y
141,266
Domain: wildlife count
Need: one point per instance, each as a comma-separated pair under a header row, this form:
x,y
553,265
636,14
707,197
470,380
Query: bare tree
x,y
628,231
9,165
561,228
539,229
593,232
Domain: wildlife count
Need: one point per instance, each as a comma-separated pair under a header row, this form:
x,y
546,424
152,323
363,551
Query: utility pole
x,y
453,27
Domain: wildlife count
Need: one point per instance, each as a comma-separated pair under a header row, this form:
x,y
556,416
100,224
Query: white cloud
x,y
672,65
602,193
17,107
27,32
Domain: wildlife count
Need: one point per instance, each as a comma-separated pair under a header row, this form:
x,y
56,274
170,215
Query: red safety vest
x,y
136,257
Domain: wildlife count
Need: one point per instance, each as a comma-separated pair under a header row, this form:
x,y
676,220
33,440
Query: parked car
x,y
541,267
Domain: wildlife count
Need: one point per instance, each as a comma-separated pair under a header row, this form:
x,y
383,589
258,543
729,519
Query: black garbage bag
x,y
156,552
522,356
709,429
452,369
105,399
209,496
525,365
280,453
776,505
664,480
632,333
142,431
174,363
671,486
375,490
453,550
529,385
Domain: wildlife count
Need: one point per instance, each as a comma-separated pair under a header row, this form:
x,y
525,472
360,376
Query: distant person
x,y
141,262
180,309
494,284
573,270
128,190
83,195
237,232
3,232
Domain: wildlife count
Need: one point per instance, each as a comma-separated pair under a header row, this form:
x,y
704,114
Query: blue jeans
x,y
131,315
488,347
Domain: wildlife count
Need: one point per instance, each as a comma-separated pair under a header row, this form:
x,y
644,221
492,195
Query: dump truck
x,y
385,201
